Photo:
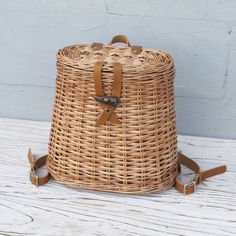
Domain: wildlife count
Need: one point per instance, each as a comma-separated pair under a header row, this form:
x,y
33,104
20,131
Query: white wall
x,y
200,34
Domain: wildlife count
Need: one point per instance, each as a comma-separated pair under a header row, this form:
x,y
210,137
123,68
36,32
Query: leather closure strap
x,y
187,188
35,165
181,187
108,108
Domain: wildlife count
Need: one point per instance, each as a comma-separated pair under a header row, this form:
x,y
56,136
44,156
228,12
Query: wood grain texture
x,y
54,209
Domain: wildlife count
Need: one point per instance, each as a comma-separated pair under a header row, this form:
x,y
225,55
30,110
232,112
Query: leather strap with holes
x,y
185,188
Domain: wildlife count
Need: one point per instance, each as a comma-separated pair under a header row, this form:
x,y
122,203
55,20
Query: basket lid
x,y
132,58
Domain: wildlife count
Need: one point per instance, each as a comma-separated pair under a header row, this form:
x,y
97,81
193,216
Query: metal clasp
x,y
34,176
110,100
193,183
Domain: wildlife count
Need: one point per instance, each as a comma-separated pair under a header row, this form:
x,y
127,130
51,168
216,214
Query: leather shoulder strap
x,y
185,188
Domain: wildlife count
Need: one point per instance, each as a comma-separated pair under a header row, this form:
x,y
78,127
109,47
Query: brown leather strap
x,y
35,165
116,88
120,39
108,110
97,46
136,49
97,75
181,187
123,39
187,188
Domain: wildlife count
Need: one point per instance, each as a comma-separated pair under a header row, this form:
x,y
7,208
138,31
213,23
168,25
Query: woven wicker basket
x,y
114,126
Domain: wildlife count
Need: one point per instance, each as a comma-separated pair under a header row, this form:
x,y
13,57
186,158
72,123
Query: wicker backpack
x,y
114,126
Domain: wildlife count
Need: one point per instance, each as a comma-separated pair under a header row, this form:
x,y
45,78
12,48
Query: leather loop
x,y
199,175
120,39
97,46
136,49
123,39
108,109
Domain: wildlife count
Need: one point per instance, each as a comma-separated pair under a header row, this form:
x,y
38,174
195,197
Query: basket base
x,y
142,190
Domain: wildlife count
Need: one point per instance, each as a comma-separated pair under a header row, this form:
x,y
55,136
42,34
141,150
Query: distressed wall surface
x,y
200,34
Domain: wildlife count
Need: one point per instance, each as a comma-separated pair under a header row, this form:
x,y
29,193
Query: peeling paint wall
x,y
200,34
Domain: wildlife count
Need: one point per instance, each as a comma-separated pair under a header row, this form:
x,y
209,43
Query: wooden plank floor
x,y
57,210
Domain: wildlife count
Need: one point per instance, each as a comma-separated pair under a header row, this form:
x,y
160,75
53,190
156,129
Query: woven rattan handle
x,y
120,39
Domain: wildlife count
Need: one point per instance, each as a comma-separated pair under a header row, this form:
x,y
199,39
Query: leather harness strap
x,y
185,188
35,165
108,109
199,175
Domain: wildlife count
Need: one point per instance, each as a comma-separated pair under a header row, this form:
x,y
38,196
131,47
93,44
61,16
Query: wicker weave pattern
x,y
137,156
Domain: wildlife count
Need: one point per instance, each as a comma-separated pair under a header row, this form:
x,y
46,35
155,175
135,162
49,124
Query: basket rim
x,y
88,66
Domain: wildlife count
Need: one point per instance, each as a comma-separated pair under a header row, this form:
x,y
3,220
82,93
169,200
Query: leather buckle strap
x,y
35,165
187,188
108,103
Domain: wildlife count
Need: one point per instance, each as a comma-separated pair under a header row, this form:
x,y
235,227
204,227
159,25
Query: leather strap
x,y
185,188
108,110
190,187
97,46
119,39
35,165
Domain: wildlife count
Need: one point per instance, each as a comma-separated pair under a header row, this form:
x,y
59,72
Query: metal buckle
x,y
193,183
110,100
34,175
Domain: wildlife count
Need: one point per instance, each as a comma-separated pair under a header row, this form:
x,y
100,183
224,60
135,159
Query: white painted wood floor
x,y
55,209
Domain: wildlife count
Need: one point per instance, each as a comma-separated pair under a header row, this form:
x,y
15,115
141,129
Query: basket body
x,y
137,156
